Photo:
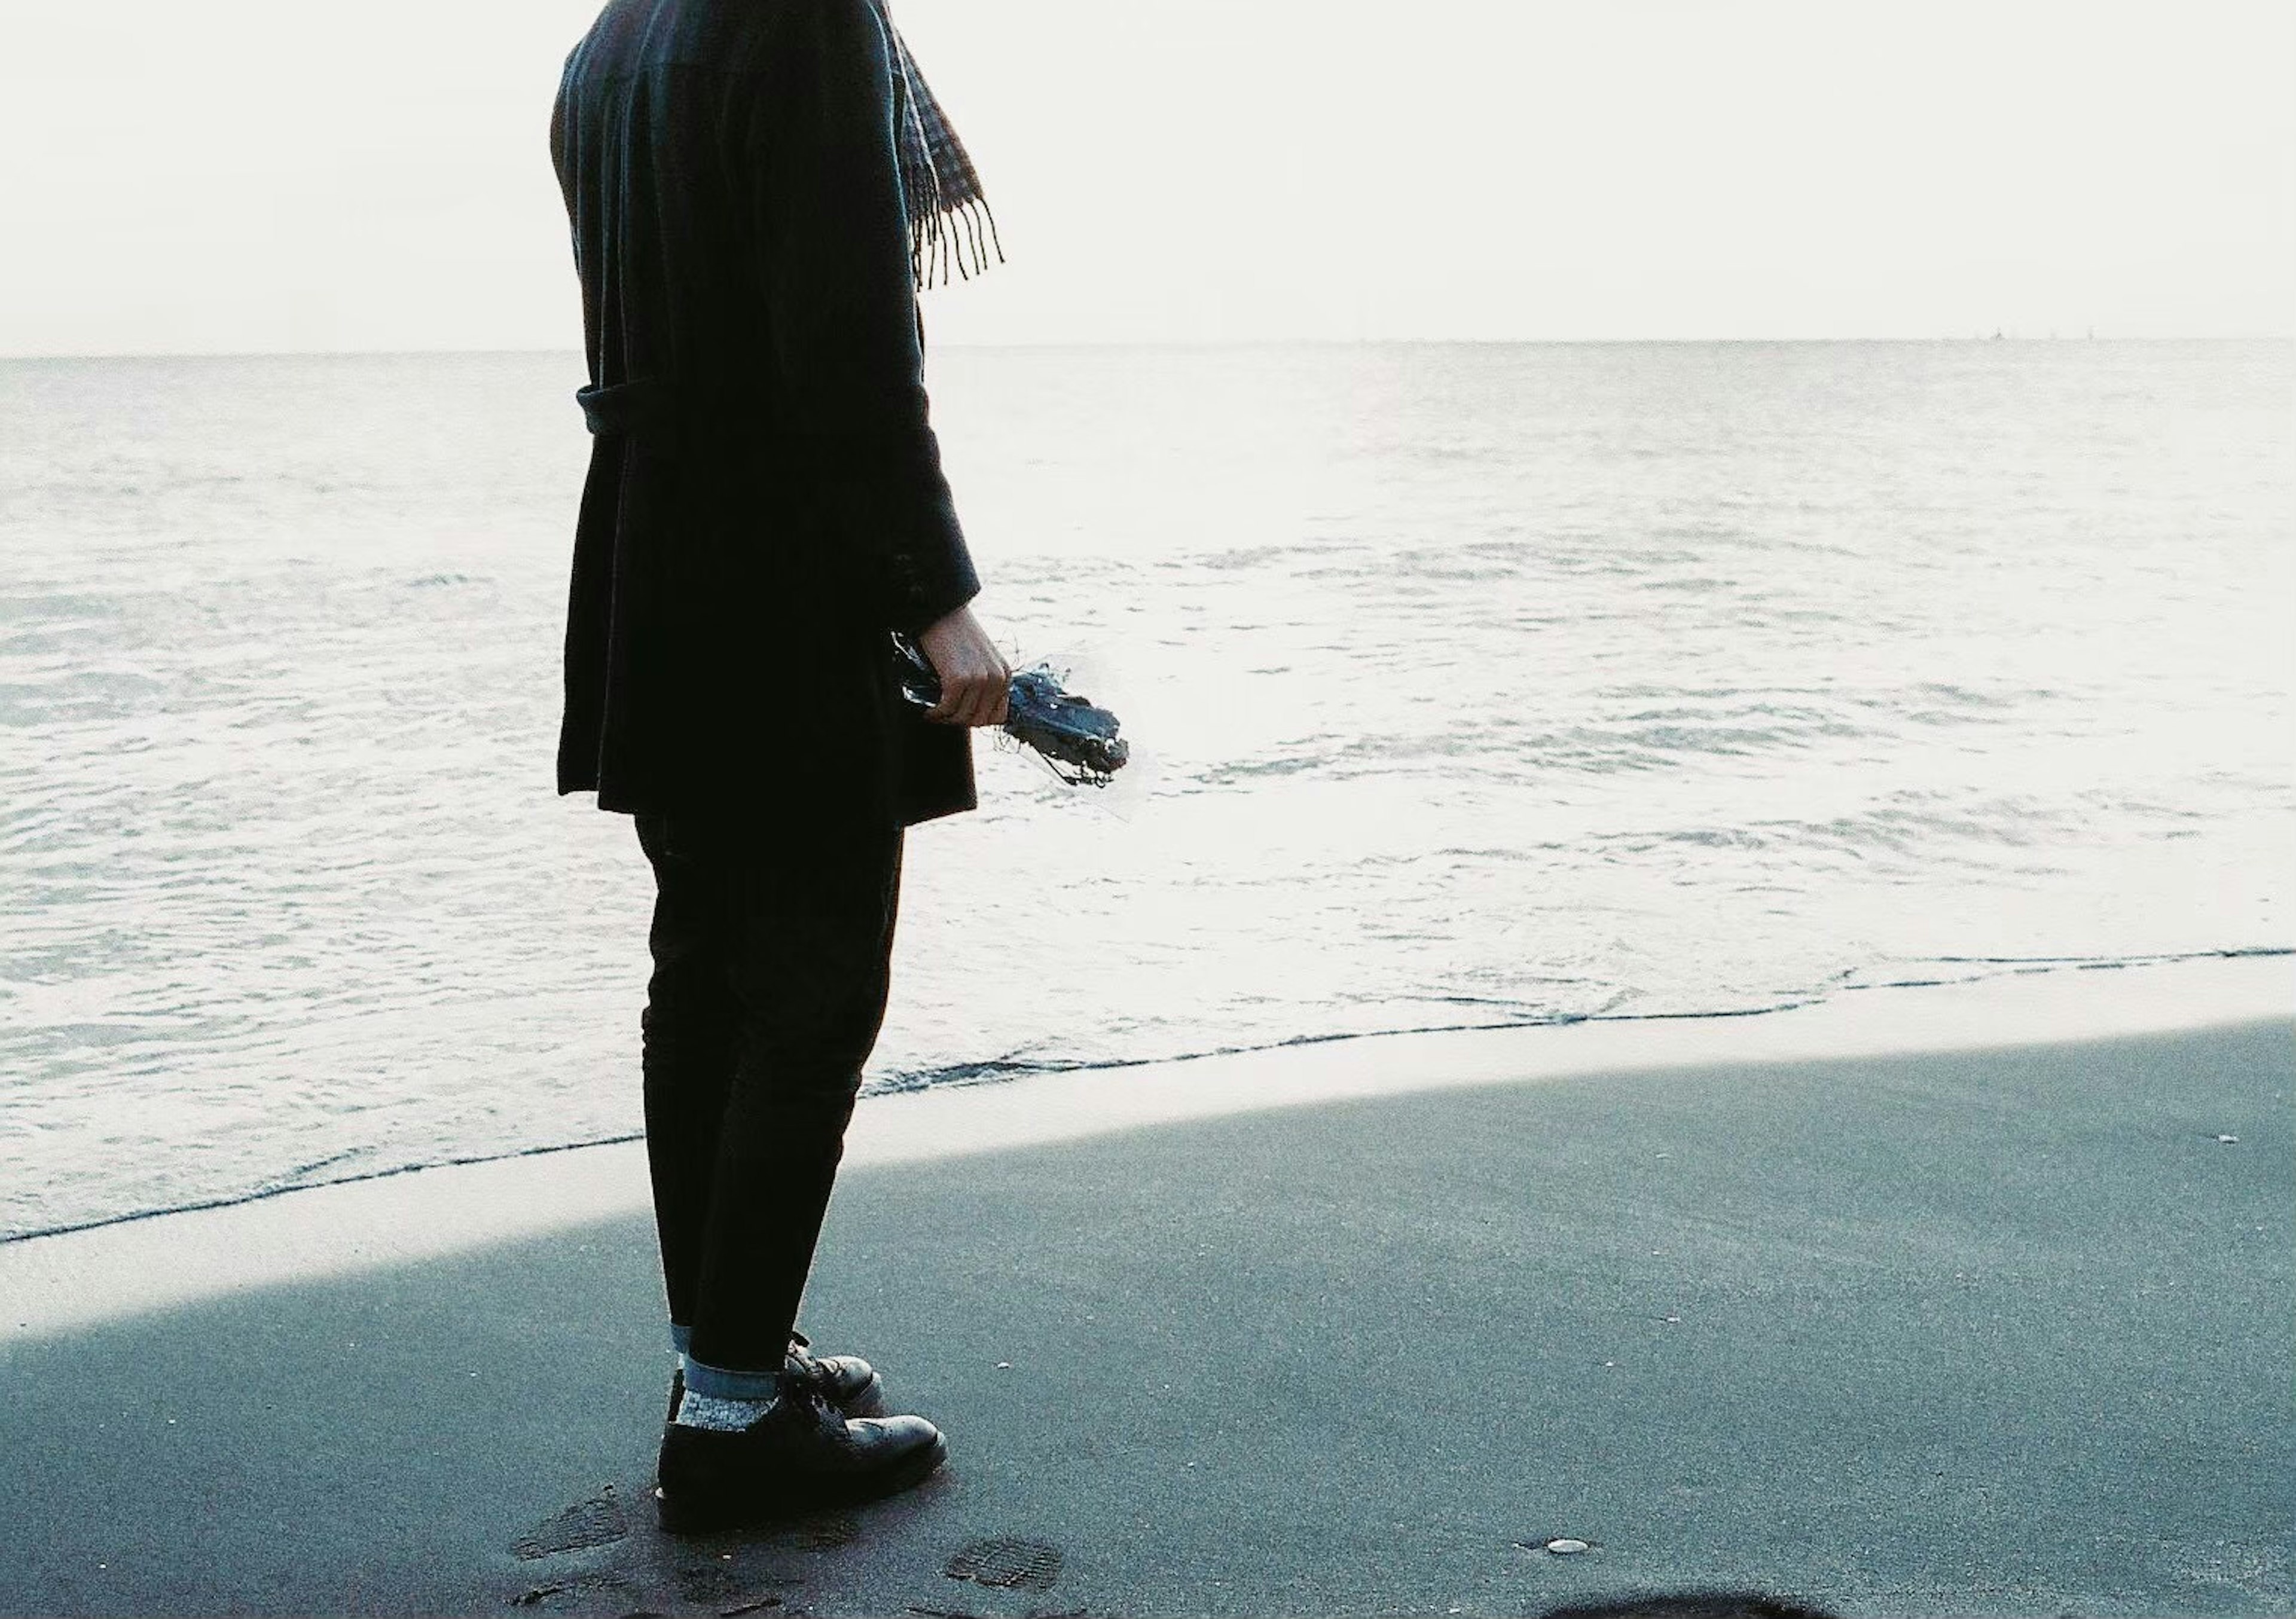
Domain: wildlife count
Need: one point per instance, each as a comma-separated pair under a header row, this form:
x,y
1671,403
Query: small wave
x,y
280,1189
1257,770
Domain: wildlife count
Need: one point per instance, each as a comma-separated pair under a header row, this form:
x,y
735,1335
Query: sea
x,y
1468,685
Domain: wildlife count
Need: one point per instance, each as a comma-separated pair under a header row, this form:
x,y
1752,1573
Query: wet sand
x,y
2002,1329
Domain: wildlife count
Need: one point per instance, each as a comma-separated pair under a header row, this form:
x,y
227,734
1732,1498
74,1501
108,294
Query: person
x,y
756,191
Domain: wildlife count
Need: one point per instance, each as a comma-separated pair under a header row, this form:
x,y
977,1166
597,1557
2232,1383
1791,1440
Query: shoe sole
x,y
679,1516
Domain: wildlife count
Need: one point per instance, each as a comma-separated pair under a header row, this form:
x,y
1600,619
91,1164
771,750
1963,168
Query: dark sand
x,y
2004,1332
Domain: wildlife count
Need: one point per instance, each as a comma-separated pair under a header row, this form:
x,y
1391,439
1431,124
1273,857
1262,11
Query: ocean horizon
x,y
944,346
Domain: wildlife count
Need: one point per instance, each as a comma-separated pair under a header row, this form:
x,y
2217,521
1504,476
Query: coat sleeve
x,y
842,308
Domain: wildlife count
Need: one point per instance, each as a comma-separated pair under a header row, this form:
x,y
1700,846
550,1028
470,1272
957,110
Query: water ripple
x,y
1482,690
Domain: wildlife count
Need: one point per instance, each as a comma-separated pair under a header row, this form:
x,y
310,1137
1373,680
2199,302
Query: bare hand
x,y
975,685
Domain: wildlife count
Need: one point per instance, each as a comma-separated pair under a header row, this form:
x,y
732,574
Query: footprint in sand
x,y
595,1521
1006,1564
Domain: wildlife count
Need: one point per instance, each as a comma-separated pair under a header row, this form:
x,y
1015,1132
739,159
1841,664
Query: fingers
x,y
950,710
975,683
994,695
973,700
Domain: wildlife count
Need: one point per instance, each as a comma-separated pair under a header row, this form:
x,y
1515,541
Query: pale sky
x,y
279,174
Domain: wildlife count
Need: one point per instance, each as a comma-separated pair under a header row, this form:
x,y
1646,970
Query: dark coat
x,y
765,498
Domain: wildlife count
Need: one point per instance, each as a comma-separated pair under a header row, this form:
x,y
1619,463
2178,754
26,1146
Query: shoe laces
x,y
804,1401
812,1371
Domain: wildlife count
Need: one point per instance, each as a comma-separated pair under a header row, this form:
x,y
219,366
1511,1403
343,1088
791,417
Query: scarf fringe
x,y
948,213
961,236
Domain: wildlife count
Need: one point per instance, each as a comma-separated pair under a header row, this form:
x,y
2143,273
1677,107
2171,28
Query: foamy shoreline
x,y
74,1279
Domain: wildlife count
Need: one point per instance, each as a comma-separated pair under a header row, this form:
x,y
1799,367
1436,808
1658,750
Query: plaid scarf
x,y
949,220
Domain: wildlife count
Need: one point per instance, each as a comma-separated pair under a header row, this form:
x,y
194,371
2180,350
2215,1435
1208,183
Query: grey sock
x,y
719,1416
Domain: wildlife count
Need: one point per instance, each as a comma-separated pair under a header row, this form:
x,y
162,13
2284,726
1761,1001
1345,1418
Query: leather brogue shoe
x,y
800,1456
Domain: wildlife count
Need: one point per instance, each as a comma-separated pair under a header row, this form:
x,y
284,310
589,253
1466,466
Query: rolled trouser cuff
x,y
681,1338
721,1383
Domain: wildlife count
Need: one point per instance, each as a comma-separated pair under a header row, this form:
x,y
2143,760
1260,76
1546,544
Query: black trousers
x,y
771,971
